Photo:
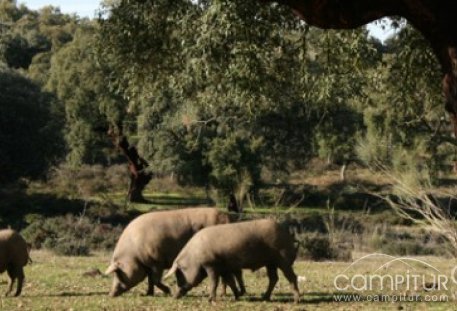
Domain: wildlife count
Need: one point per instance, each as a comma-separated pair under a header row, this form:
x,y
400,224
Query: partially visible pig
x,y
14,256
150,243
221,251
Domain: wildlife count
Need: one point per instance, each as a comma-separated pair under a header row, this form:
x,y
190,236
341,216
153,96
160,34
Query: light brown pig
x,y
150,243
14,256
221,251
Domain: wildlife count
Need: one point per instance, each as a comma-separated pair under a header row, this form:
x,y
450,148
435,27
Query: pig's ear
x,y
113,267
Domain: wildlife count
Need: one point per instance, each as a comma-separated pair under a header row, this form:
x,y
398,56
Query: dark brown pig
x,y
221,251
151,242
14,256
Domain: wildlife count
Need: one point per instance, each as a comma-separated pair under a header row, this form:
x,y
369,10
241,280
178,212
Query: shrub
x,y
320,247
70,235
68,246
407,243
87,181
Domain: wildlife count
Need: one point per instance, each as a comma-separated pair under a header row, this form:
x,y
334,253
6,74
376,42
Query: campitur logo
x,y
390,278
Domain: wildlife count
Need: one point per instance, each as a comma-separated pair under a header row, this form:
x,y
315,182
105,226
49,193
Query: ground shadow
x,y
71,294
179,201
325,297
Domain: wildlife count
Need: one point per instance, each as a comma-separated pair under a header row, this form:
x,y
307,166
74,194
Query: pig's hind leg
x,y
228,279
155,279
13,274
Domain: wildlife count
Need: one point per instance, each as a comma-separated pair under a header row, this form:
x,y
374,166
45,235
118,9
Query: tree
x,y
436,21
27,35
78,82
30,128
404,118
206,78
92,112
218,85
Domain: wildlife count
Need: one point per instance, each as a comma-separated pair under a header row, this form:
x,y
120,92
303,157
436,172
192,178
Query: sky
x,y
87,8
84,8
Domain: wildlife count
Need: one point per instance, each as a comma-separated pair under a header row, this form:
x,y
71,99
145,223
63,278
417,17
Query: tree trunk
x,y
140,176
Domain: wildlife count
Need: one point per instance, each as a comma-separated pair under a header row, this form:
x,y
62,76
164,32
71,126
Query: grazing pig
x,y
150,243
14,256
226,249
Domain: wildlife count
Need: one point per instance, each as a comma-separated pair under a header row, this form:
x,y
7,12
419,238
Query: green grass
x,y
58,283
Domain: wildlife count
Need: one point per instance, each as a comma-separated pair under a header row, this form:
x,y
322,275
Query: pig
x,y
222,251
150,243
14,255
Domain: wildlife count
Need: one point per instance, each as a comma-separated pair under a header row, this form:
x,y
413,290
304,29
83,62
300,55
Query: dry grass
x,y
58,283
328,177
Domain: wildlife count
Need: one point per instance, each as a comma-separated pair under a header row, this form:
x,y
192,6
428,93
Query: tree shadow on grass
x,y
275,298
75,294
307,298
179,201
321,297
16,206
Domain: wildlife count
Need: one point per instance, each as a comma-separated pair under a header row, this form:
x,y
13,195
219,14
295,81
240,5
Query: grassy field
x,y
340,213
60,283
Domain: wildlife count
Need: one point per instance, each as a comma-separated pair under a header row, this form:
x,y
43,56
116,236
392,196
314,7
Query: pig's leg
x,y
224,287
20,280
292,278
13,274
183,286
150,291
213,281
164,288
272,280
154,279
10,281
239,278
230,281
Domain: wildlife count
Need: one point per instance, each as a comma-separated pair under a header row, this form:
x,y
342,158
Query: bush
x,y
319,247
70,235
312,222
68,246
87,181
406,243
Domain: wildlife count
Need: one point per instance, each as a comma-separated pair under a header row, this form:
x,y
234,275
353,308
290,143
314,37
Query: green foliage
x,y
233,160
215,89
404,114
215,92
30,125
77,80
318,247
406,243
70,235
87,181
25,34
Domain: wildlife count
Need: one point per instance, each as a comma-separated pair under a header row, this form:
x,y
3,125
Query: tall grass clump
x,y
414,199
